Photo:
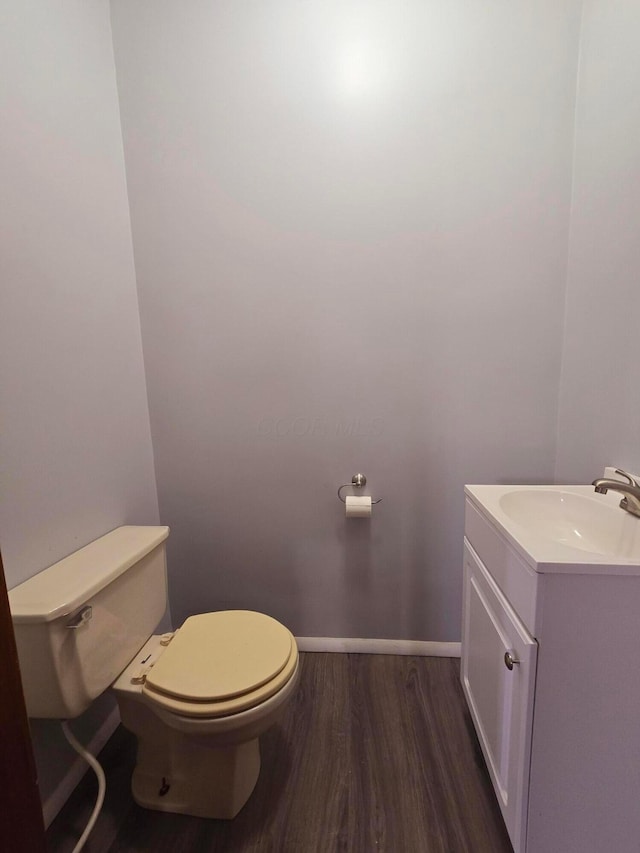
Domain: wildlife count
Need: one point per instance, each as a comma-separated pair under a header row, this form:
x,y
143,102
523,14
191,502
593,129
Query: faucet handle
x,y
631,480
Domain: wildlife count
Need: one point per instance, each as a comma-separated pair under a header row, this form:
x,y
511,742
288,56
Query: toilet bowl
x,y
197,699
198,702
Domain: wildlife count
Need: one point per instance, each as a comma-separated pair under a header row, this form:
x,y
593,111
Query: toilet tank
x,y
79,622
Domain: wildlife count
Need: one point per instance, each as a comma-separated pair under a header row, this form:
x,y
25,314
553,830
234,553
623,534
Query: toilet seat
x,y
222,663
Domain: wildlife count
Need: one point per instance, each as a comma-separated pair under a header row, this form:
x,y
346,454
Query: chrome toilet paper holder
x,y
358,481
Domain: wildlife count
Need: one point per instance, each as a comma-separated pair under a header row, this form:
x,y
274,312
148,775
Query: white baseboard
x,y
76,771
353,645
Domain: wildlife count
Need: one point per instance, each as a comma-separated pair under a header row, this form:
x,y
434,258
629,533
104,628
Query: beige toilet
x,y
198,699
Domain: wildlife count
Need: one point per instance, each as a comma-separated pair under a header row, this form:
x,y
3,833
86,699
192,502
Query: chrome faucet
x,y
630,490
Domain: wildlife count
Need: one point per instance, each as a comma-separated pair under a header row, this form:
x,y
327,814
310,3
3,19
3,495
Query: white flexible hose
x,y
102,784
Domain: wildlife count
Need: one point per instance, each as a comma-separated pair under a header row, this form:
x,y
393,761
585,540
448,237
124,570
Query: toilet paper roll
x,y
358,507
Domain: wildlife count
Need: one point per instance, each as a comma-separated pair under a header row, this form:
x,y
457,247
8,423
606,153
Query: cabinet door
x,y
500,699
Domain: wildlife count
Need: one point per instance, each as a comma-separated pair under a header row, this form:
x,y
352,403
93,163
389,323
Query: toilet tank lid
x,y
67,584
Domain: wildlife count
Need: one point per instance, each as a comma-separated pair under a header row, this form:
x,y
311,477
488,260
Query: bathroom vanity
x,y
550,663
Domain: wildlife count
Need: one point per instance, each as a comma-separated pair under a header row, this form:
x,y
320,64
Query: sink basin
x,y
563,528
579,521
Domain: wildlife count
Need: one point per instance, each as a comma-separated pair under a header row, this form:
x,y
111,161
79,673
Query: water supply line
x,y
102,784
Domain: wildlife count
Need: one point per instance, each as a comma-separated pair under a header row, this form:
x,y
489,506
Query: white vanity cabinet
x,y
551,673
498,677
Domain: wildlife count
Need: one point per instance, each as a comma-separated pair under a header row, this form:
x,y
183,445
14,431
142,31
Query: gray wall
x,y
75,442
599,422
350,224
351,234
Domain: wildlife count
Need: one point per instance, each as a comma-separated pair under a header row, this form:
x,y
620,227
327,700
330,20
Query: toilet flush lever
x,y
81,617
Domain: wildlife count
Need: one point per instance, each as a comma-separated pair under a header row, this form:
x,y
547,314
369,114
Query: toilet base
x,y
204,767
186,776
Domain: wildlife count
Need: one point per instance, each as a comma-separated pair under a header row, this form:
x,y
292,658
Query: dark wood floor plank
x,y
411,796
374,753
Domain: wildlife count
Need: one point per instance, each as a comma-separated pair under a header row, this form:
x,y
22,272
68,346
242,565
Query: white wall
x,y
75,442
599,419
350,223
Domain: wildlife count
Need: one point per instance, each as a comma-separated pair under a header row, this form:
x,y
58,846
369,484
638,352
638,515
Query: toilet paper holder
x,y
358,481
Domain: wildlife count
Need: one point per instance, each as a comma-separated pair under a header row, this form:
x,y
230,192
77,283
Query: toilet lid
x,y
223,662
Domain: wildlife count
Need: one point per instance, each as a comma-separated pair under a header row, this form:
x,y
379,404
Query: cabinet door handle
x,y
510,661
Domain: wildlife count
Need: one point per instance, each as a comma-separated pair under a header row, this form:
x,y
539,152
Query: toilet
x,y
197,699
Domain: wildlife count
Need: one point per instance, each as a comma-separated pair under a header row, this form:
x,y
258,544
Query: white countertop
x,y
616,533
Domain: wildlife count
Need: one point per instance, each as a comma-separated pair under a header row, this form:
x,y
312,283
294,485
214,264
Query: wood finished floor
x,y
374,753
